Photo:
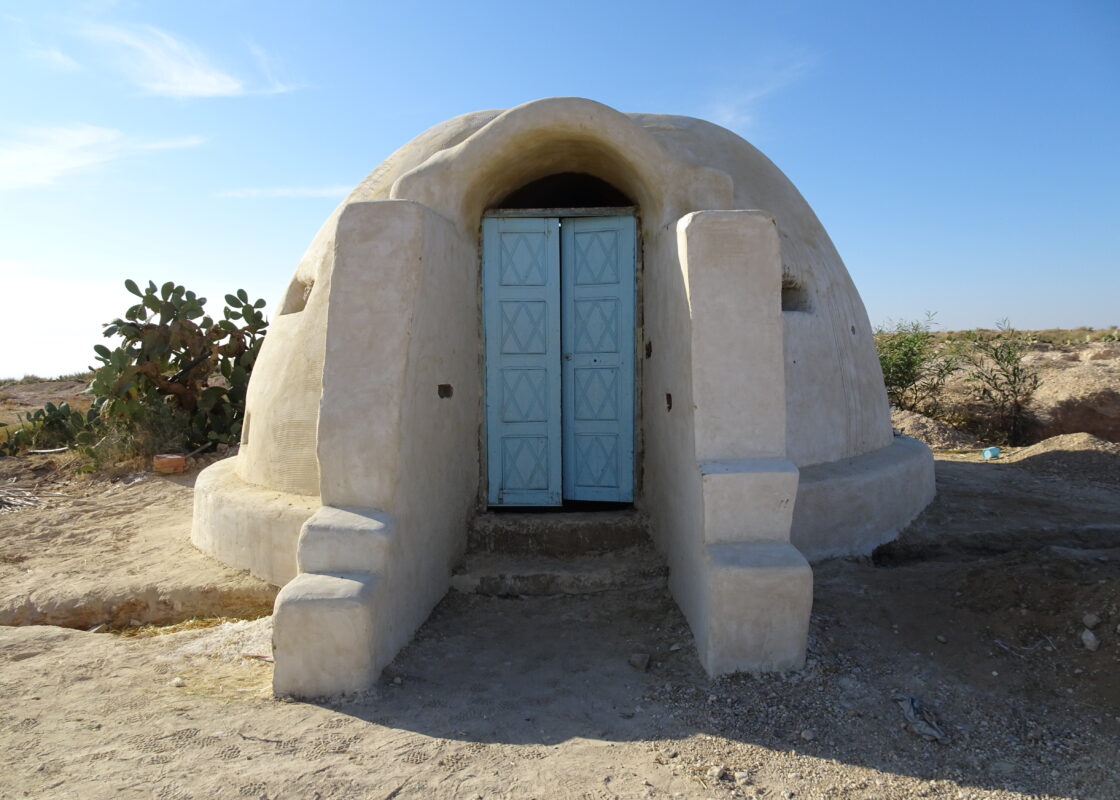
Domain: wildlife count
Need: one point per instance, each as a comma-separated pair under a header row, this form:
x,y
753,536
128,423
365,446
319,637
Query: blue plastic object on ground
x,y
991,452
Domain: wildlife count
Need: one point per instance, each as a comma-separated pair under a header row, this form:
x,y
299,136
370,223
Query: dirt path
x,y
977,612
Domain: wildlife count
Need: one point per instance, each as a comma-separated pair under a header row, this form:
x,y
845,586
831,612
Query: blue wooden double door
x,y
558,308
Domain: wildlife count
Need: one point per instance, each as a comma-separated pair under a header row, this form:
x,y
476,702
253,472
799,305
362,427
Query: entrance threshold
x,y
553,532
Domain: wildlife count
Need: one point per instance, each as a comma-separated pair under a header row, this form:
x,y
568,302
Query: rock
x,y
222,448
639,661
808,735
1091,621
1090,640
742,778
717,773
937,435
1003,768
178,682
941,638
674,647
134,623
397,681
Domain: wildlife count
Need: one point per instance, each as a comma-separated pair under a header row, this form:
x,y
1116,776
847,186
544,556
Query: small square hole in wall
x,y
445,390
794,296
295,299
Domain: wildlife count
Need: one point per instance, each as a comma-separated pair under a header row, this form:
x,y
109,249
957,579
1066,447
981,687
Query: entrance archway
x,y
559,311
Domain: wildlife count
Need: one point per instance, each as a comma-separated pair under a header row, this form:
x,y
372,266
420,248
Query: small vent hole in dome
x,y
794,295
295,299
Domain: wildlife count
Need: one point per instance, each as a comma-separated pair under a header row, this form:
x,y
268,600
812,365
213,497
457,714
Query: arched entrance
x,y
559,310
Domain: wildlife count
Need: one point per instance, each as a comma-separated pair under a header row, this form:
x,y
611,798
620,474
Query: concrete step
x,y
559,533
506,575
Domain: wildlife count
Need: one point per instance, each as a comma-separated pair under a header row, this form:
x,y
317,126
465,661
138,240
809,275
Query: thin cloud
x,y
288,191
737,109
170,144
54,58
160,63
165,65
265,63
43,156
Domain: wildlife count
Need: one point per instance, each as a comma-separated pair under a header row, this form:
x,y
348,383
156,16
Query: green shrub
x,y
995,369
51,426
178,370
176,381
915,366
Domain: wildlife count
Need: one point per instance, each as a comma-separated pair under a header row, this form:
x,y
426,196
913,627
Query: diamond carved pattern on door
x,y
596,324
558,314
521,322
596,460
597,330
525,462
596,259
524,259
524,395
524,327
596,393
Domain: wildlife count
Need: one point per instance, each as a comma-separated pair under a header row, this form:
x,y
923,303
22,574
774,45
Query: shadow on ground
x,y
981,623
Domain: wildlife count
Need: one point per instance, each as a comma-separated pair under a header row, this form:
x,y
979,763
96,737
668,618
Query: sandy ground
x,y
977,612
109,551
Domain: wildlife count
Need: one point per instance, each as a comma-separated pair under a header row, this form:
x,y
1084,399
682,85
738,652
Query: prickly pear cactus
x,y
173,353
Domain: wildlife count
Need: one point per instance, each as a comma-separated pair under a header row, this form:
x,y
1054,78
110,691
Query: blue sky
x,y
965,157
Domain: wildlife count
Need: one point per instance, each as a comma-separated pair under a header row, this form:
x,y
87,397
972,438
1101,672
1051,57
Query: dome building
x,y
560,305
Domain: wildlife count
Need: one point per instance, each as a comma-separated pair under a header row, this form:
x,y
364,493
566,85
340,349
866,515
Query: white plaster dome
x,y
746,416
836,404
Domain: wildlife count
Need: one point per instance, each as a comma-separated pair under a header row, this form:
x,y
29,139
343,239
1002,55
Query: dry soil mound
x,y
937,435
1079,394
1075,456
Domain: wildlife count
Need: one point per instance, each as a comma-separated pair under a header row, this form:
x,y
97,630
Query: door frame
x,y
641,349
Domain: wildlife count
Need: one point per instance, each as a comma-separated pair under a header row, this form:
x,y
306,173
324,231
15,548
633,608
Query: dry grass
x,y
87,375
192,624
1051,336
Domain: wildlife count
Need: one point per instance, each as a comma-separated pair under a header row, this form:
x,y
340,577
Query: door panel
x,y
597,323
521,309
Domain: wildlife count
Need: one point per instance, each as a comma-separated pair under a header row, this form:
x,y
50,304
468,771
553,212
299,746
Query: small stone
x,y
717,773
178,682
712,698
222,448
808,735
941,638
134,623
639,661
674,647
1091,621
1090,640
742,778
397,681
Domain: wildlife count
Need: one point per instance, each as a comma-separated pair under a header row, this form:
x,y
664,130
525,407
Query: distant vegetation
x,y
175,382
919,364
